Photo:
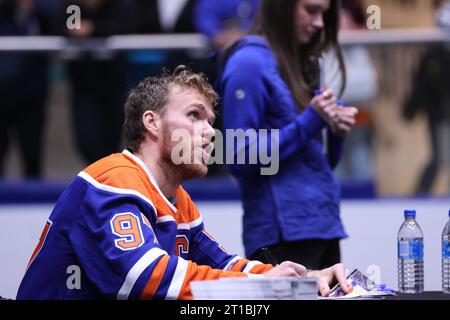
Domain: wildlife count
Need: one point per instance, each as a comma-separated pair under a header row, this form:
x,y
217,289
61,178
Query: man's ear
x,y
152,122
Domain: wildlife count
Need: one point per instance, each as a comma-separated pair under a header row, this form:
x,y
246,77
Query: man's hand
x,y
330,275
287,269
325,277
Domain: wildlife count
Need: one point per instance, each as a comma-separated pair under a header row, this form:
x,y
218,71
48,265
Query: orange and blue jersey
x,y
114,235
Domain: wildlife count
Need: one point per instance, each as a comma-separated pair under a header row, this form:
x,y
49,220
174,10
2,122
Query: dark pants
x,y
23,117
428,176
314,254
98,91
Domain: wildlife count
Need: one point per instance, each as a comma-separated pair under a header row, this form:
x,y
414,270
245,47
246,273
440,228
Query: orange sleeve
x,y
198,273
192,272
256,269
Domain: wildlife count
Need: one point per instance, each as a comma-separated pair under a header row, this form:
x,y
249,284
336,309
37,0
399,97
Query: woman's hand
x,y
344,120
325,104
341,119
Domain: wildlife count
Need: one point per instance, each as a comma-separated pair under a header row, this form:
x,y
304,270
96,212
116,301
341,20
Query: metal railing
x,y
195,41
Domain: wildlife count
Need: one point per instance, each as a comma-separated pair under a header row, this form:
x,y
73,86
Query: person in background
x,y
23,86
223,22
430,95
361,89
160,17
272,82
97,77
126,229
166,18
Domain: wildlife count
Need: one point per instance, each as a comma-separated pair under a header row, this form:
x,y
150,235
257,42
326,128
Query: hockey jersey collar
x,y
150,176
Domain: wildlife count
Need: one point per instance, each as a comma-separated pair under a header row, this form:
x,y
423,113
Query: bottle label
x,y
446,249
410,250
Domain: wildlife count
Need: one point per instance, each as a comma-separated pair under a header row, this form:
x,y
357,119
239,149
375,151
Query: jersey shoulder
x,y
188,211
121,174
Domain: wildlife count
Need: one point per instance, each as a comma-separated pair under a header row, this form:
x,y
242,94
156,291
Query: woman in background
x,y
270,79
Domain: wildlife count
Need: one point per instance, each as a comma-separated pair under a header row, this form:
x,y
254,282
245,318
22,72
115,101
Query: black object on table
x,y
427,295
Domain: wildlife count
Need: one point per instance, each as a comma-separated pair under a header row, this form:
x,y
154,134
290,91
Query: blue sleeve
x,y
115,244
205,250
247,88
335,149
209,16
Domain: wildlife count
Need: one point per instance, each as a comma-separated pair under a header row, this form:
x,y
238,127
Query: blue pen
x,y
339,102
383,288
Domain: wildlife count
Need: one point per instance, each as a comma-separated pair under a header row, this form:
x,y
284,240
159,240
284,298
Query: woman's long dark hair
x,y
299,64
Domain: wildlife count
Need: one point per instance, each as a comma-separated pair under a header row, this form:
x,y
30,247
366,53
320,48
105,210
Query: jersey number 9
x,y
128,228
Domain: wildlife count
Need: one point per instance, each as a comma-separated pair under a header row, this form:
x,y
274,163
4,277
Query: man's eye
x,y
194,114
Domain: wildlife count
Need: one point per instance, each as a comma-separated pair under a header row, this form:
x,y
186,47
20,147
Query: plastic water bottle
x,y
410,255
446,257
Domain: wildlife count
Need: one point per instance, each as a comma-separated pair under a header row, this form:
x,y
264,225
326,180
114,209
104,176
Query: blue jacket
x,y
210,17
301,201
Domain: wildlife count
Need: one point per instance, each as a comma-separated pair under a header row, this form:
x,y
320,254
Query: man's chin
x,y
194,171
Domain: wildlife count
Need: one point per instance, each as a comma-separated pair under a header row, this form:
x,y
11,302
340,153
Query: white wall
x,y
371,247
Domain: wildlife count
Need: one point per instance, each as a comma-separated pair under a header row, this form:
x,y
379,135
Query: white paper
x,y
261,288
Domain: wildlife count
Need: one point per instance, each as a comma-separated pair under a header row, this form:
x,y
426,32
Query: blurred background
x,y
62,93
62,100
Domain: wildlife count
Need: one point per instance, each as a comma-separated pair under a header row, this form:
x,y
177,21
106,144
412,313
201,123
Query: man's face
x,y
187,118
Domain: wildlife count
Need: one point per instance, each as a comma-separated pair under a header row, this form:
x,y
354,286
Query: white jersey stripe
x,y
85,176
196,222
190,225
162,219
184,226
177,279
232,263
147,259
250,265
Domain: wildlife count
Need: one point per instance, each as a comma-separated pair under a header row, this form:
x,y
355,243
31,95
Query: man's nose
x,y
208,131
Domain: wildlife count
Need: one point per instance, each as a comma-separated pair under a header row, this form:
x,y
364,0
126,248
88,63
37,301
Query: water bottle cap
x,y
410,213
